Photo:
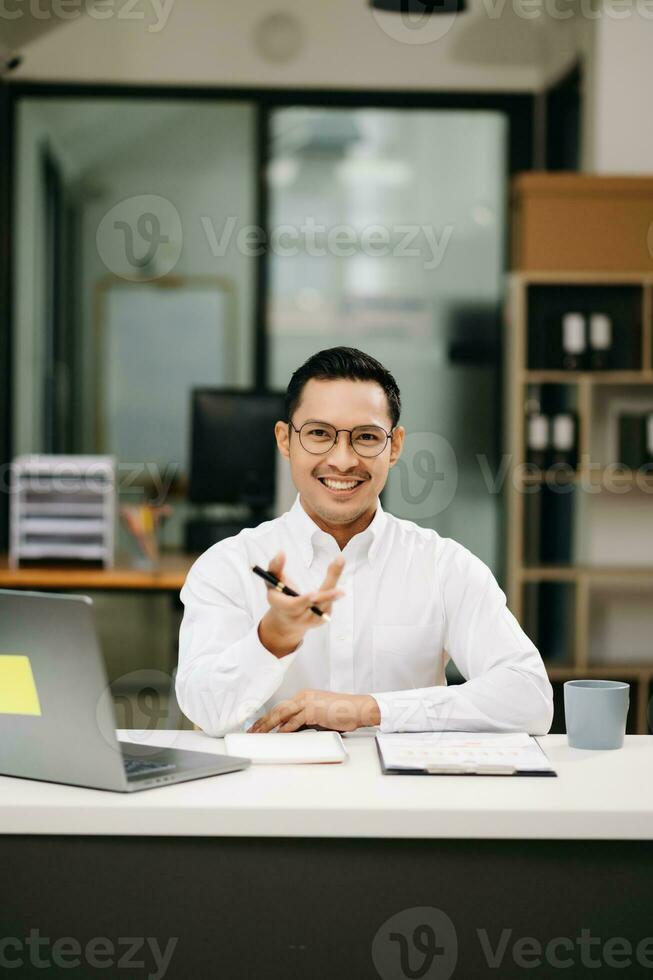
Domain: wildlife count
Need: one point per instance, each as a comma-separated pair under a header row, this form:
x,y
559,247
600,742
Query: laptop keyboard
x,y
140,767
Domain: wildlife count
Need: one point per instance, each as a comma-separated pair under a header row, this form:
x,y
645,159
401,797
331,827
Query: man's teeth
x,y
340,484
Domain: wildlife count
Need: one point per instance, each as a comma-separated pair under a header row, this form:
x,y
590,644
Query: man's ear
x,y
282,435
397,444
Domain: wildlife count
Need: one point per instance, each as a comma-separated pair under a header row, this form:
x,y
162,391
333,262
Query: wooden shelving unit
x,y
587,389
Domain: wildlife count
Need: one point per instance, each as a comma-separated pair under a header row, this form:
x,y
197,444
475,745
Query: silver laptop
x,y
56,711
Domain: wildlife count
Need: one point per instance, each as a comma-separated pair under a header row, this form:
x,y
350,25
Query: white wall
x,y
340,43
620,101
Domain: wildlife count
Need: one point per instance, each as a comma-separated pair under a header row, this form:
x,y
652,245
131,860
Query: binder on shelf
x,y
600,337
556,525
632,440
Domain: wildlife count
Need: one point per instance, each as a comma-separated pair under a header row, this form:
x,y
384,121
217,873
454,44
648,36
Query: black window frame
x,y
520,109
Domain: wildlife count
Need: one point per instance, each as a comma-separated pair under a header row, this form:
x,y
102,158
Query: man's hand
x,y
339,712
282,628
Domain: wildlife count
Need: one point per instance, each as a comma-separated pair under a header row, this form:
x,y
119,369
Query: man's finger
x,y
297,607
324,595
276,566
325,599
294,723
334,572
277,563
279,714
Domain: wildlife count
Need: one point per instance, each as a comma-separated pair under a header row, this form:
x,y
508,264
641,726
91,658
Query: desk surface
x,y
169,575
597,795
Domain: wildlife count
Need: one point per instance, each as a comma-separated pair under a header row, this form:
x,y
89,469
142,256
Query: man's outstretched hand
x,y
327,709
282,628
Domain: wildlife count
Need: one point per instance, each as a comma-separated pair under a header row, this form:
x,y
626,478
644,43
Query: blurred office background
x,y
217,126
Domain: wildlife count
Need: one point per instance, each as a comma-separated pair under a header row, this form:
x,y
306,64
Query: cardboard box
x,y
568,222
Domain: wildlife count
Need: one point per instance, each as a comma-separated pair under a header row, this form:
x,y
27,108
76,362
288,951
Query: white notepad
x,y
464,753
280,748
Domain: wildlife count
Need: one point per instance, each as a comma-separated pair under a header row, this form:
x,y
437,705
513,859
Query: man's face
x,y
343,404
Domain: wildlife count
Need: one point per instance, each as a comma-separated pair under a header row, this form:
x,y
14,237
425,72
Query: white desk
x,y
597,796
279,872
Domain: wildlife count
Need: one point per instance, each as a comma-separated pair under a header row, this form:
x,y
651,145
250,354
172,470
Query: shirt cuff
x,y
385,709
418,710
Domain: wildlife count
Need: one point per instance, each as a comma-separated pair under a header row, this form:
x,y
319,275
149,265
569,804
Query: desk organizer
x,y
62,507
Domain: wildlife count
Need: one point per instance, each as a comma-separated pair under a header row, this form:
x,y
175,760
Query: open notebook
x,y
278,748
463,753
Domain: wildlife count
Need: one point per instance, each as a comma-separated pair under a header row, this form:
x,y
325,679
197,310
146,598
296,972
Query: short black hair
x,y
343,362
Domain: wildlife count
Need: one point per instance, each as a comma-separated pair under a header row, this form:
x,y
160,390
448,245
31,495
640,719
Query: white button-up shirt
x,y
412,601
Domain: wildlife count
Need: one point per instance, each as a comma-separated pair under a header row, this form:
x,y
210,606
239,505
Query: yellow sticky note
x,y
18,694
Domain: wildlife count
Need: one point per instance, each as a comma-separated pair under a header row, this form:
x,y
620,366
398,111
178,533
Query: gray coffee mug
x,y
595,713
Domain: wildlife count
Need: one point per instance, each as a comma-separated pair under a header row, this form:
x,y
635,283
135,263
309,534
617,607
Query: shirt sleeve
x,y
506,686
225,674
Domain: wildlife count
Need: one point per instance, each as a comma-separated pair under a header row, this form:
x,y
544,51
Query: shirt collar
x,y
306,532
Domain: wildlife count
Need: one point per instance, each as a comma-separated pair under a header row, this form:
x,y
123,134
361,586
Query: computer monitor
x,y
233,449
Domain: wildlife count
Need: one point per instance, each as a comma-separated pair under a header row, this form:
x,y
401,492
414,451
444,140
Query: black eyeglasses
x,y
319,437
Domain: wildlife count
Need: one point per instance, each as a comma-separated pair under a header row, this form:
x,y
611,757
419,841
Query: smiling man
x,y
401,599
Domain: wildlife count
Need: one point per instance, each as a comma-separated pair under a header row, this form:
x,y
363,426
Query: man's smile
x,y
340,486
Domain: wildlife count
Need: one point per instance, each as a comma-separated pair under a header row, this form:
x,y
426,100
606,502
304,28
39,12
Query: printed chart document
x,y
278,748
462,753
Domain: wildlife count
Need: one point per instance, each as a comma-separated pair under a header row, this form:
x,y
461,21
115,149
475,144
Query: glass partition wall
x,y
152,253
126,295
388,234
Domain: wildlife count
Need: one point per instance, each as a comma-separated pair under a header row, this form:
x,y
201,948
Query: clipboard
x,y
462,754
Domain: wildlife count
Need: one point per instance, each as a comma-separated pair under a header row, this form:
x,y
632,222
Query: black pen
x,y
272,580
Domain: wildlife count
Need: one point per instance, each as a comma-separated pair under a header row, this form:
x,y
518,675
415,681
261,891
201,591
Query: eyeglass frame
x,y
388,436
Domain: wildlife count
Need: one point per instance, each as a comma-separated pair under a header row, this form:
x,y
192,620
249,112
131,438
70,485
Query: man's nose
x,y
342,454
